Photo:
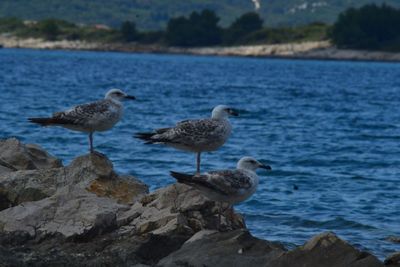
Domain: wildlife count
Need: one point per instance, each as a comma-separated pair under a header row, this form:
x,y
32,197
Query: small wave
x,y
338,223
380,137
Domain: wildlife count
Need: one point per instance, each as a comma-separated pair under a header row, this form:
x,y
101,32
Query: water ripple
x,y
330,130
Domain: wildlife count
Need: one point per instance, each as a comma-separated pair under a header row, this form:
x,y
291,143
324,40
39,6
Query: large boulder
x,y
85,214
393,239
180,207
52,230
30,185
26,172
233,248
14,155
93,171
72,212
239,248
393,260
328,250
174,226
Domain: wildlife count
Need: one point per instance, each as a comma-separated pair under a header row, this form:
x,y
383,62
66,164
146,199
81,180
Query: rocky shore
x,y
323,50
86,214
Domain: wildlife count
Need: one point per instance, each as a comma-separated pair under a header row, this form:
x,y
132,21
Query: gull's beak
x,y
233,112
131,97
267,167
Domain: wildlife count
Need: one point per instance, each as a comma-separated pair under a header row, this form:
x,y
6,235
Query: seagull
x,y
230,186
195,135
92,117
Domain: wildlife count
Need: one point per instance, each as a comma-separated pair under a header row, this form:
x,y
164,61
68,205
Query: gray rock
x,y
181,208
86,168
239,248
72,212
93,171
75,227
85,214
393,239
393,260
17,156
233,248
326,250
4,169
107,249
21,186
143,233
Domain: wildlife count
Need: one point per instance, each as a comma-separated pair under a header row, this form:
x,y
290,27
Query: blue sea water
x,y
330,128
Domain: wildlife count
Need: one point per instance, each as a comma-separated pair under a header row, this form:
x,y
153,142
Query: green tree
x,y
206,30
200,29
129,32
369,27
11,24
49,29
178,31
243,26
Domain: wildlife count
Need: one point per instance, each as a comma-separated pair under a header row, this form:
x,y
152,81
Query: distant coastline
x,y
322,50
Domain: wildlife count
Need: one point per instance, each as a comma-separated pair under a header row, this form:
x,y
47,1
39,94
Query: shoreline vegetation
x,y
318,50
368,33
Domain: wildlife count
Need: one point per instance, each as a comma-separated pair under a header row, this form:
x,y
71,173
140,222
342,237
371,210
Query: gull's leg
x,y
232,212
91,142
198,163
219,215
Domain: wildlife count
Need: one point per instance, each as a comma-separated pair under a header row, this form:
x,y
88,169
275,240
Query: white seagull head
x,y
118,95
251,164
222,112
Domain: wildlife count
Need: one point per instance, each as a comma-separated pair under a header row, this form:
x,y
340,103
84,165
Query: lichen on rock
x,y
33,181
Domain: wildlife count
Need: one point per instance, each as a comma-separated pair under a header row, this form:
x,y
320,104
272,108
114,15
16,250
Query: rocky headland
x,y
322,50
86,214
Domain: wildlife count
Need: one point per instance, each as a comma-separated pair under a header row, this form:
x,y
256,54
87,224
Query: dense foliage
x,y
11,24
246,24
155,14
316,31
369,27
129,32
200,29
49,28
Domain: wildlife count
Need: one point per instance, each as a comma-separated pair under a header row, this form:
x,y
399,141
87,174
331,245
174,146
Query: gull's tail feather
x,y
147,137
182,177
197,181
43,121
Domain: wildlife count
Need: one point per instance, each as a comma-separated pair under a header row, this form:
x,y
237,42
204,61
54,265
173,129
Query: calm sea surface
x,y
330,128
